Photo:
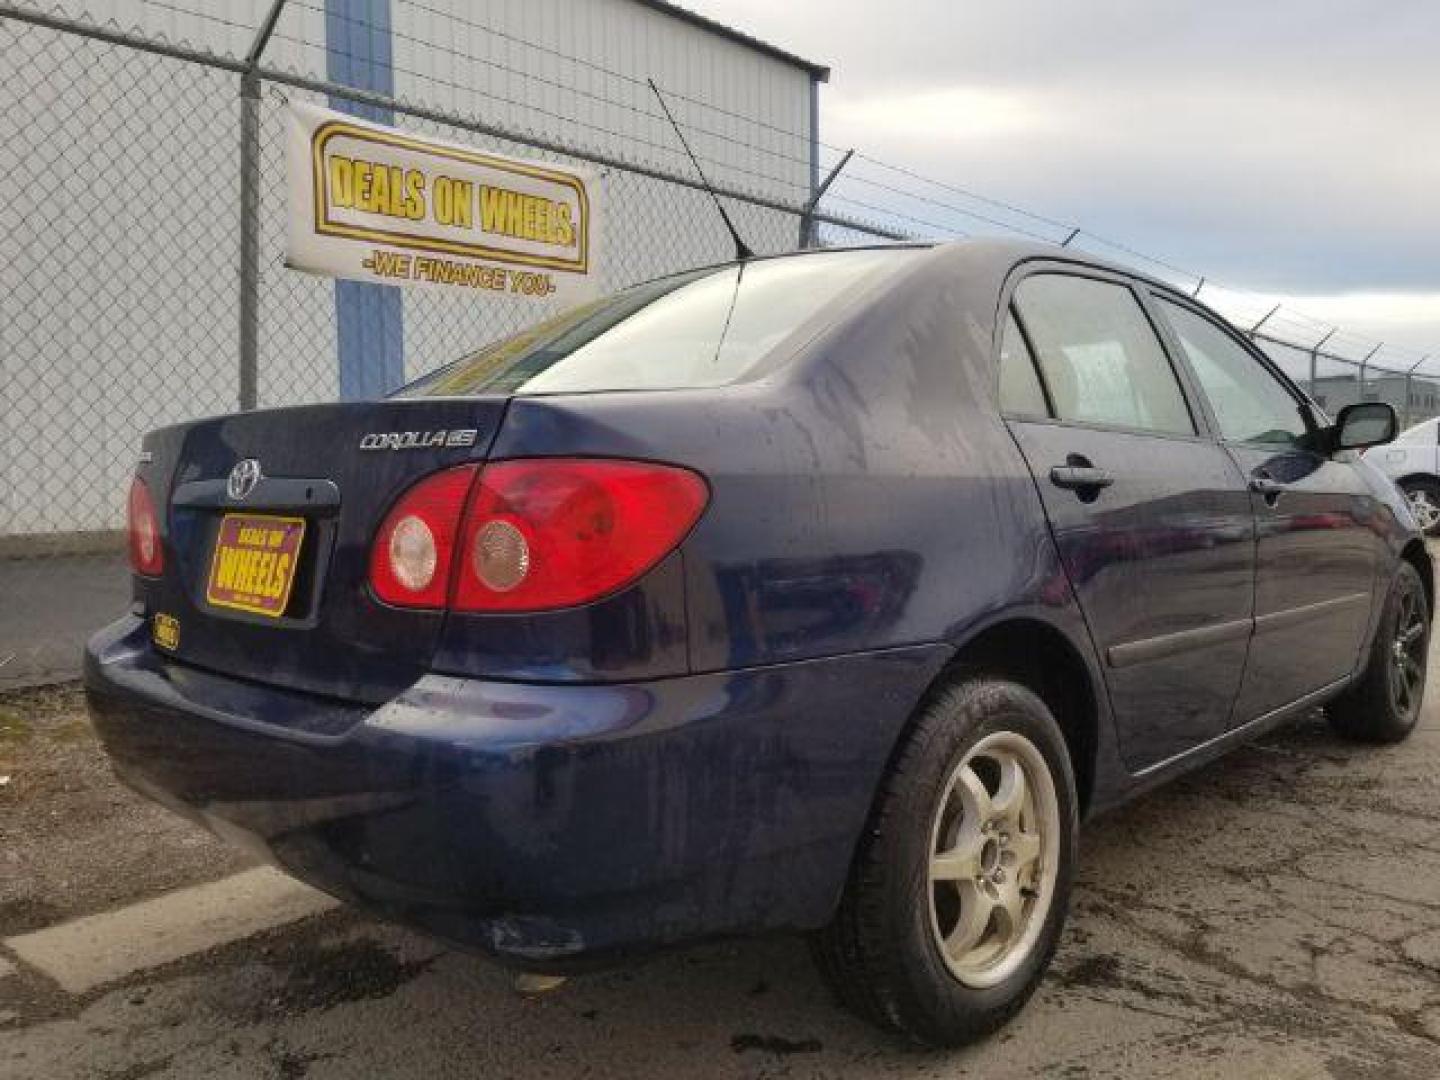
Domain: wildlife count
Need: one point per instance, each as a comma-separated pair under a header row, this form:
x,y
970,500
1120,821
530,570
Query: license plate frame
x,y
255,585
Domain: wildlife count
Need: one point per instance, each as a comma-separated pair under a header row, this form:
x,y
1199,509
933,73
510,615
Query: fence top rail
x,y
1350,361
556,146
113,35
126,39
808,209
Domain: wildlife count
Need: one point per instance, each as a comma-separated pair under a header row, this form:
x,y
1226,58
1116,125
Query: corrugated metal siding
x,y
576,70
118,309
132,322
223,27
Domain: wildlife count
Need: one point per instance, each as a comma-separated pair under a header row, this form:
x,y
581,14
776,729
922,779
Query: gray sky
x,y
1286,147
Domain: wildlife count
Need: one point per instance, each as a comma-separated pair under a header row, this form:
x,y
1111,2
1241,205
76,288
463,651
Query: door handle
x,y
1264,485
1080,477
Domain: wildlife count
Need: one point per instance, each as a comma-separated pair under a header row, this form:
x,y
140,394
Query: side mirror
x,y
1368,423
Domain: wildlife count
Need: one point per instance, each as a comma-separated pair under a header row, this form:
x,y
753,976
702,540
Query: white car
x,y
1413,462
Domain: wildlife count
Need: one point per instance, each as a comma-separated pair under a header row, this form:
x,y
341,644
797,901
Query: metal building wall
x,y
125,350
522,85
576,71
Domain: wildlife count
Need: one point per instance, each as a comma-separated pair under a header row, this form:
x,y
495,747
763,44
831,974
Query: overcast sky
x,y
1284,146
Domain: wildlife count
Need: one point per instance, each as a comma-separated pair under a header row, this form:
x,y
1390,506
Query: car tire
x,y
885,953
1423,495
1383,705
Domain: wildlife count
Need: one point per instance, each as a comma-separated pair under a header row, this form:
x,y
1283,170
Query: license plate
x,y
254,564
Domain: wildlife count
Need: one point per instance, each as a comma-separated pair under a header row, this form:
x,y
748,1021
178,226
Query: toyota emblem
x,y
243,478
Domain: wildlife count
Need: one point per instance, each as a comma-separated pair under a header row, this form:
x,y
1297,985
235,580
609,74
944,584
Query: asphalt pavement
x,y
1276,914
49,605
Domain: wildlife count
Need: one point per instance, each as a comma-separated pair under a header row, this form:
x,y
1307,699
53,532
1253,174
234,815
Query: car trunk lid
x,y
268,519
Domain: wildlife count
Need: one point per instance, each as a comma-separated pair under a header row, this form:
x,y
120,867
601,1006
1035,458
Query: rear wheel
x,y
1384,705
1423,496
959,890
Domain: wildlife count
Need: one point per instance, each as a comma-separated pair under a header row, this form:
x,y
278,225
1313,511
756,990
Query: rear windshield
x,y
706,328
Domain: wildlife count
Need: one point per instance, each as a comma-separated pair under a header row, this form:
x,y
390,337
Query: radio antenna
x,y
742,251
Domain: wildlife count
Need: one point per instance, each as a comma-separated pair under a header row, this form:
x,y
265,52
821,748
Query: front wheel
x,y
959,890
1423,497
1383,706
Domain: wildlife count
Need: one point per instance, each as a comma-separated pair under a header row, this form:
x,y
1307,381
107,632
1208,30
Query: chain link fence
x,y
123,242
1335,365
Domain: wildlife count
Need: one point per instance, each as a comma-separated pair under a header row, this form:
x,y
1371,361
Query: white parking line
x,y
99,949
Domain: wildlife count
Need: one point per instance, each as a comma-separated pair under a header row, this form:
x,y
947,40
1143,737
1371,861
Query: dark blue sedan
x,y
825,593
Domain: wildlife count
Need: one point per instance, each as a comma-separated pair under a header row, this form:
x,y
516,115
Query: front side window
x,y
706,328
1099,355
1250,404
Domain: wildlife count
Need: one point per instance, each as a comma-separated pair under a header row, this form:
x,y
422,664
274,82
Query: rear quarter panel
x,y
865,495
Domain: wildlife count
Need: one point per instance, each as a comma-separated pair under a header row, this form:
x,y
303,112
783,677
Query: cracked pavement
x,y
1276,914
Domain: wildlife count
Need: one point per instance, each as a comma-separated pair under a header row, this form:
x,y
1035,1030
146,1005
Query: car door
x,y
1150,515
1316,550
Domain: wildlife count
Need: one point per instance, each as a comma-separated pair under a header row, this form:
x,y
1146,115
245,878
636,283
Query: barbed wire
x,y
636,80
1294,327
542,80
120,282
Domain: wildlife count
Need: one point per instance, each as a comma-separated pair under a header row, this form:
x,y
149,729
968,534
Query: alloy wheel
x,y
1423,509
1407,653
994,859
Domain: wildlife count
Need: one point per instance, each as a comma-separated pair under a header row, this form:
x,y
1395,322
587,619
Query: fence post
x,y
808,232
1363,364
250,211
1314,355
1254,330
1408,376
249,240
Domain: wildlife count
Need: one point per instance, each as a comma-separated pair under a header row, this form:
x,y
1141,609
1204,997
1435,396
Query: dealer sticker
x,y
165,630
255,560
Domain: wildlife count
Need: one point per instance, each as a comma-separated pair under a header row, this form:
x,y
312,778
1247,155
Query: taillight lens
x,y
555,532
410,563
147,556
537,534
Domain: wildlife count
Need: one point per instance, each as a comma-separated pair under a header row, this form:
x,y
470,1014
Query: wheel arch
x,y
1408,478
1415,554
1040,657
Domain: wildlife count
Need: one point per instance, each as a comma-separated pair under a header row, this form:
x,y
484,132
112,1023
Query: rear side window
x,y
1250,404
1099,355
707,328
1020,390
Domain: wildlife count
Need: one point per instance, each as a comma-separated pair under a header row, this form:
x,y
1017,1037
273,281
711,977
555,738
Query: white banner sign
x,y
373,203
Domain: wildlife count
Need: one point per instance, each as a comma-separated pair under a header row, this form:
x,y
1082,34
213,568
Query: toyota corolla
x,y
824,593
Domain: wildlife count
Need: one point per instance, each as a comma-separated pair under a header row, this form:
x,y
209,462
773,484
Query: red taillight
x,y
410,564
555,532
538,534
147,556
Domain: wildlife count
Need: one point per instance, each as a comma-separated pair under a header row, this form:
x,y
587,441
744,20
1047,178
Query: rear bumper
x,y
551,826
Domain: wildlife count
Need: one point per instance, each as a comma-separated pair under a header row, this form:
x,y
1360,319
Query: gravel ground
x,y
1276,914
72,840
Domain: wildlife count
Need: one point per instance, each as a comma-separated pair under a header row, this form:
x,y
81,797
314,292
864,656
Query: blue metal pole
x,y
369,318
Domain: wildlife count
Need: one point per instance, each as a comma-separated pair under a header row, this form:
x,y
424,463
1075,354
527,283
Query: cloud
x,y
946,115
1407,325
1289,147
